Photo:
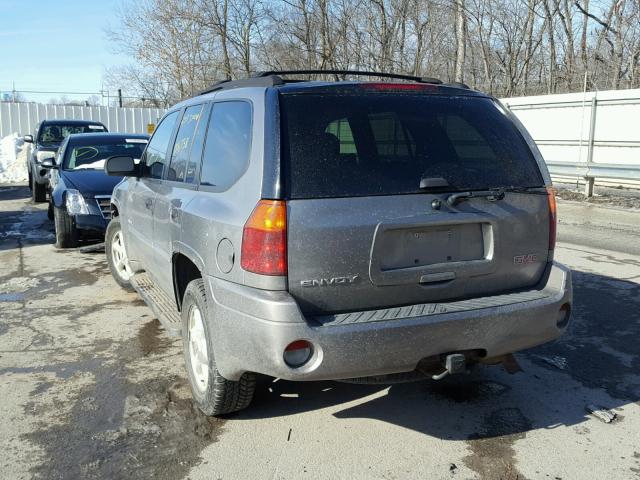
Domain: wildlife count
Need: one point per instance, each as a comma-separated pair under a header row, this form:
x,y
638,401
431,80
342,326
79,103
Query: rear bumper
x,y
254,327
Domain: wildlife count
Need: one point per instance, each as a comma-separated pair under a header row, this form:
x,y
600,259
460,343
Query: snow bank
x,y
12,159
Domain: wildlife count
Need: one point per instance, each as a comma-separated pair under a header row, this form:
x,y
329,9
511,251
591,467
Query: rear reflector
x,y
563,315
298,353
264,239
553,217
398,87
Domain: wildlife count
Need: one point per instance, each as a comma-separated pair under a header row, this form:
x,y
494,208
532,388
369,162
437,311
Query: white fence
x,y
592,135
21,118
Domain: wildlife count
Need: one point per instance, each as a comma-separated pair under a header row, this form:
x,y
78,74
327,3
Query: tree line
x,y
504,47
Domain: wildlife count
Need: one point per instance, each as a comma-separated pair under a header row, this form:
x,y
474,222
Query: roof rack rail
x,y
262,81
273,78
457,85
398,76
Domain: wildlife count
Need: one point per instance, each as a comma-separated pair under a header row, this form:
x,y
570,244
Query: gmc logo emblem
x,y
524,259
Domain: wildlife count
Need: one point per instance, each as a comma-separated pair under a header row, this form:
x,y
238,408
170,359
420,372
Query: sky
x,y
56,45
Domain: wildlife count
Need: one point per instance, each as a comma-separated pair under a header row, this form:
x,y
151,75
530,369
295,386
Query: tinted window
x,y
54,134
182,145
228,144
156,154
384,144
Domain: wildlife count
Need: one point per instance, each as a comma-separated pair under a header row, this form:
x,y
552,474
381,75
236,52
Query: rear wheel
x,y
66,231
117,255
50,210
212,393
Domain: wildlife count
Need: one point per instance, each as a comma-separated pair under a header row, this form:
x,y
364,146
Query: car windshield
x,y
384,144
54,134
93,156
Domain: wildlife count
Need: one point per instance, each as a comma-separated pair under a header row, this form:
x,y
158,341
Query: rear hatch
x,y
405,197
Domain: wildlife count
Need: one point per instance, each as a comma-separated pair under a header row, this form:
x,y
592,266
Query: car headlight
x,y
40,156
75,203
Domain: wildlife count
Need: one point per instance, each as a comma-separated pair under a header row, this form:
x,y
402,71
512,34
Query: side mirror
x,y
48,163
121,167
28,138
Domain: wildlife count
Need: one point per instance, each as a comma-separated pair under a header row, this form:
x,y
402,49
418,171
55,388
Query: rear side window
x,y
156,153
360,145
182,145
228,144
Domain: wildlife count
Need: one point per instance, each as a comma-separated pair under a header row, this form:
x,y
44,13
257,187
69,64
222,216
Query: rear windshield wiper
x,y
493,195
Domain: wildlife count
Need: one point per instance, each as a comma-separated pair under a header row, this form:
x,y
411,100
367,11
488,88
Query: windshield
x,y
373,144
92,157
54,134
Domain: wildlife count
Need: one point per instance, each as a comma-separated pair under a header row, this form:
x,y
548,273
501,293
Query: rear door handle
x,y
148,203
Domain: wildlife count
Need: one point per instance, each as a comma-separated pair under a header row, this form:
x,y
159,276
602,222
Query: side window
x,y
182,145
156,153
195,156
228,144
342,130
392,140
466,140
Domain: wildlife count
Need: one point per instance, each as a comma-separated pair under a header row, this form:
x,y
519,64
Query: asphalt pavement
x,y
92,387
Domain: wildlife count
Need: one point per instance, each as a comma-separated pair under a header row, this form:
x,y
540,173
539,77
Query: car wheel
x,y
117,255
50,210
212,393
38,192
66,231
30,181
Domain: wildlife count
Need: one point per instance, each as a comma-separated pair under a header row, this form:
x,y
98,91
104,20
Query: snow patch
x,y
13,156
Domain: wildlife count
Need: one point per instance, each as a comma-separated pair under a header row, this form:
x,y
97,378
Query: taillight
x,y
264,239
553,217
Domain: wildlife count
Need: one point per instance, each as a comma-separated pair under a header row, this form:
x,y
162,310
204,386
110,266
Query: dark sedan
x,y
80,189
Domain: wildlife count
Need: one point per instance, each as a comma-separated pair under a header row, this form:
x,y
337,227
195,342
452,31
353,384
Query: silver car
x,y
314,230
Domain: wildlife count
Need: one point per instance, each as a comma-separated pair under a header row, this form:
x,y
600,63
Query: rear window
x,y
361,145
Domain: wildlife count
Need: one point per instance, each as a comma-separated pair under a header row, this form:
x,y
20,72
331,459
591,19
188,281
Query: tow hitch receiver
x,y
454,363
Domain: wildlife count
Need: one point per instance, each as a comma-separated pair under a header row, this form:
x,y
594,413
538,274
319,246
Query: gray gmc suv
x,y
362,230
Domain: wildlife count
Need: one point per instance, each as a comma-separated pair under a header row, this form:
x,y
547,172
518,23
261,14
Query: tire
x,y
117,255
38,192
30,180
66,231
50,210
212,393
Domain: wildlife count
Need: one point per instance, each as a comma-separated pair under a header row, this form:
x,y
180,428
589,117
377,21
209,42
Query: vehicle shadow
x,y
14,192
596,362
25,227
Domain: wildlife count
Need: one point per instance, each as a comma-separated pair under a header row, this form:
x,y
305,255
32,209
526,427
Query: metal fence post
x,y
589,179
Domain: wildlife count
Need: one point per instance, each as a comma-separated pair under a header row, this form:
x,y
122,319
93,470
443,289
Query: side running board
x,y
163,307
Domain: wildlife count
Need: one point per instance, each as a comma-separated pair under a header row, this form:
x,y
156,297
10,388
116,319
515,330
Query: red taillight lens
x,y
398,87
264,239
553,217
298,353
